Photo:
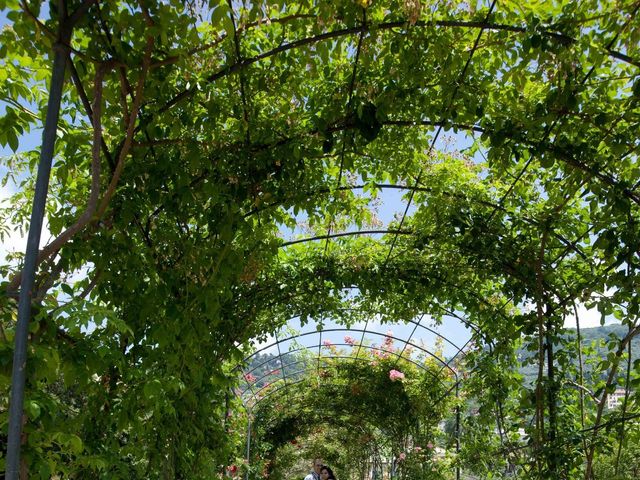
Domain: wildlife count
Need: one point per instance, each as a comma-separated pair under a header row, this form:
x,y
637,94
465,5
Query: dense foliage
x,y
372,410
192,134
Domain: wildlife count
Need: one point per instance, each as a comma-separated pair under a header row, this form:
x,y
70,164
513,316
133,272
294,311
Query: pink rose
x,y
395,375
402,456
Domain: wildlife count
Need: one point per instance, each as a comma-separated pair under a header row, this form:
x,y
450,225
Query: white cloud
x,y
15,241
373,324
588,317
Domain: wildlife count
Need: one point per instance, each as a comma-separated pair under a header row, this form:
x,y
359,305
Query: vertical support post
x,y
246,476
18,377
457,426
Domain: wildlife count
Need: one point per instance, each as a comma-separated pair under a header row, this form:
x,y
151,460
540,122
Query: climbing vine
x,y
191,135
385,401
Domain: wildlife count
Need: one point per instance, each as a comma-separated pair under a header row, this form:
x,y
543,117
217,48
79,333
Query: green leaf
x,y
32,408
12,139
75,442
600,119
367,122
546,161
536,41
66,288
327,145
152,389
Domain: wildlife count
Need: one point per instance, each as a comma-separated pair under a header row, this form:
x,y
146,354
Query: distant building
x,y
615,399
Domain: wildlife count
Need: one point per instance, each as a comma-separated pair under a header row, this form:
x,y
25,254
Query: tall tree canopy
x,y
192,134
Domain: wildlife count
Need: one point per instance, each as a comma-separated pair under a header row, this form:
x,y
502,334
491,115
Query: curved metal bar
x,y
423,189
466,322
473,326
345,234
405,342
306,334
366,347
445,365
233,68
257,399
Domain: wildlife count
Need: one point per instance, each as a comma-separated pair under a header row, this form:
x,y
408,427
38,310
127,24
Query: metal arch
x,y
254,400
345,234
473,326
445,365
448,392
466,322
455,387
292,337
366,347
305,334
227,70
570,246
258,400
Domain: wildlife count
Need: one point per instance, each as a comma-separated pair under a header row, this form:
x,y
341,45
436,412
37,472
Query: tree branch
x,y
81,10
135,108
94,194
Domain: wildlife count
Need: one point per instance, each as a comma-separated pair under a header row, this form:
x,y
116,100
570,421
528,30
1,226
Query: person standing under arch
x,y
315,470
326,474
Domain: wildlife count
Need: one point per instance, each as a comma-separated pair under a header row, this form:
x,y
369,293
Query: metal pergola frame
x,y
62,57
251,397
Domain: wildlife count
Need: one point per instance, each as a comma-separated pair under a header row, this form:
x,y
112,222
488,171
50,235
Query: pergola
x,y
316,339
236,121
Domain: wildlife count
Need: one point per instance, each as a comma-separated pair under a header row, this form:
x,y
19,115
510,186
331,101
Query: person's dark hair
x,y
329,471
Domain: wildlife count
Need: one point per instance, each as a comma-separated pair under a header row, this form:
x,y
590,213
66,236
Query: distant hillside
x,y
595,338
267,368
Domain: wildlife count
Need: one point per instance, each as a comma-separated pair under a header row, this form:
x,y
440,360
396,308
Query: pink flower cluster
x,y
381,354
419,449
349,340
395,375
327,343
388,342
250,378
